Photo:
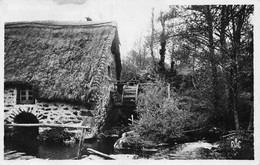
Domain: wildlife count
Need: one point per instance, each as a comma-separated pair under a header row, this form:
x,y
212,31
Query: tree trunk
x,y
162,53
162,43
212,60
172,61
237,23
251,118
223,47
193,69
173,71
152,41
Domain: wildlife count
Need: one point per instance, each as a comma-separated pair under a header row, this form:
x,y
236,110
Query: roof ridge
x,y
61,23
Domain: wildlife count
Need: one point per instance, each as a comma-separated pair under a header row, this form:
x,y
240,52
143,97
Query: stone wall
x,y
10,96
46,112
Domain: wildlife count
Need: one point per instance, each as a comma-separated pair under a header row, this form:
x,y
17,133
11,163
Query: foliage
x,y
54,135
215,43
136,142
160,116
136,62
132,72
129,71
210,48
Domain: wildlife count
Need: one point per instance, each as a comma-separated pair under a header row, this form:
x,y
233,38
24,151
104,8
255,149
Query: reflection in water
x,y
58,151
48,151
29,146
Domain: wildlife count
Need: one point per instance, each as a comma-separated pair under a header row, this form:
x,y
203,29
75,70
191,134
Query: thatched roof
x,y
60,59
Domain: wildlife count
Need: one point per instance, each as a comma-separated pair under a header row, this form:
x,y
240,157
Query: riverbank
x,y
236,145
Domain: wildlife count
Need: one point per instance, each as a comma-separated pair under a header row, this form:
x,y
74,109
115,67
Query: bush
x,y
54,135
136,142
162,119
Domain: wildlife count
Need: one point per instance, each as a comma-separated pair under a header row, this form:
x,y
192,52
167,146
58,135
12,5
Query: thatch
x,y
61,59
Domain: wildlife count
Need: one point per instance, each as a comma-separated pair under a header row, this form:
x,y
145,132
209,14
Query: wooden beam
x,y
46,125
136,93
10,152
14,156
100,154
90,121
81,141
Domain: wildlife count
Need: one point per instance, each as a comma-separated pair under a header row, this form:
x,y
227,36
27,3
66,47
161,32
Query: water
x,y
186,151
58,151
192,150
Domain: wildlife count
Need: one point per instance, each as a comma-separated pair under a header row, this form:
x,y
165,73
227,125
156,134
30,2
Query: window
x,y
25,96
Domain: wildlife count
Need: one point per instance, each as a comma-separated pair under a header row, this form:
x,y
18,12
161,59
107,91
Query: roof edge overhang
x,y
59,24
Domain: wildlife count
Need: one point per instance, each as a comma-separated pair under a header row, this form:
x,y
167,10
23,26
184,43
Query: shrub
x,y
136,142
54,135
162,119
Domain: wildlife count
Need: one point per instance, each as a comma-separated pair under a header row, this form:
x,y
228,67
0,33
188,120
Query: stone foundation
x,y
46,113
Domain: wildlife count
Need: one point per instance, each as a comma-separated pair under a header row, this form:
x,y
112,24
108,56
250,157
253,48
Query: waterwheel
x,y
129,95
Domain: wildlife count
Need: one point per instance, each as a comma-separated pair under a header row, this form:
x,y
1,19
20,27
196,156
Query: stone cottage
x,y
59,72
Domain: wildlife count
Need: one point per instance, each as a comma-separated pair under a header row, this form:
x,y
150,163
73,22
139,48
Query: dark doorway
x,y
26,132
24,139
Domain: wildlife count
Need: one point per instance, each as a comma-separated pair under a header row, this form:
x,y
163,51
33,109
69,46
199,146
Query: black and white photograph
x,y
143,80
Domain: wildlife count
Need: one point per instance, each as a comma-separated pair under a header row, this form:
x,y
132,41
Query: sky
x,y
132,16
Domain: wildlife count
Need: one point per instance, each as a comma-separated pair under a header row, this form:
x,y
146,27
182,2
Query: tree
x,y
136,62
163,39
217,36
238,15
152,40
212,46
202,28
166,33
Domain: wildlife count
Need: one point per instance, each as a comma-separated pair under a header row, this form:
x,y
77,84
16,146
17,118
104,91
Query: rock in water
x,y
121,143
